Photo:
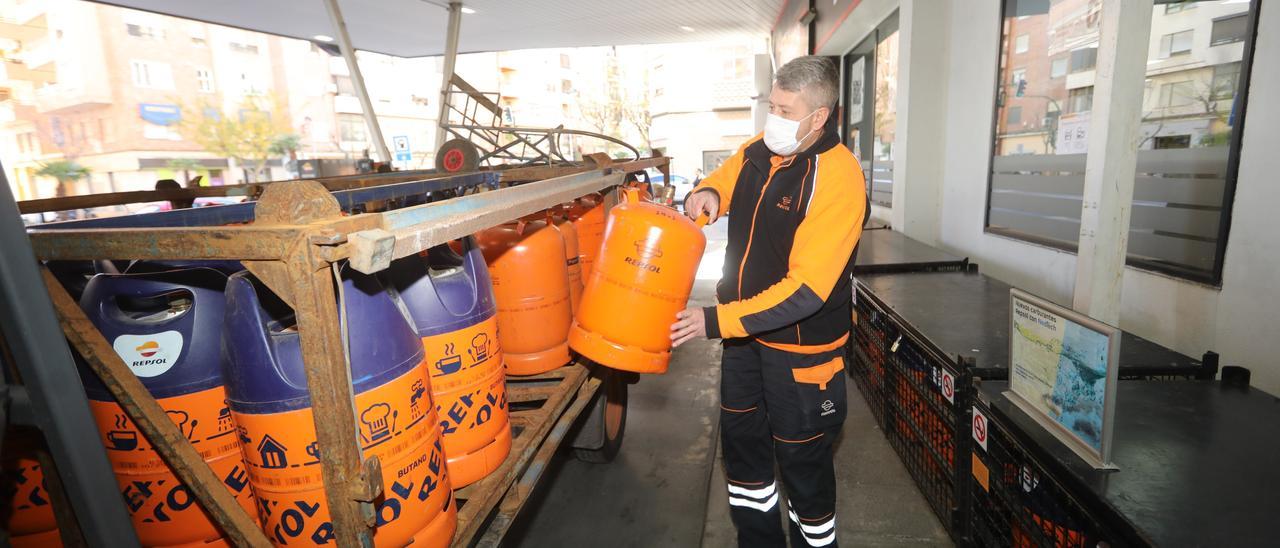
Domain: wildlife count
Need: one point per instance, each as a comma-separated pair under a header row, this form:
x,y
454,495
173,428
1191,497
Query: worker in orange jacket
x,y
796,203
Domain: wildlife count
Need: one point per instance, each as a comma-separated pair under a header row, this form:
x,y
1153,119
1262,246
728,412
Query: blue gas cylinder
x,y
167,327
450,299
267,386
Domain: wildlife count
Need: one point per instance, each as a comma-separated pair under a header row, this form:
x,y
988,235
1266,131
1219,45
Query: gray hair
x,y
815,76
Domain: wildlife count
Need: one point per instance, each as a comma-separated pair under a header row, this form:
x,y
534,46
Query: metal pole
x,y
446,76
58,402
1112,160
349,54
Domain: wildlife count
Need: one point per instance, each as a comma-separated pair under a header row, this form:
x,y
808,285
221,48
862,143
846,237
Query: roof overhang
x,y
415,28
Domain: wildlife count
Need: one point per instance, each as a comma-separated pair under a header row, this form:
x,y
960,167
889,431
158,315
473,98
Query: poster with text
x,y
1060,368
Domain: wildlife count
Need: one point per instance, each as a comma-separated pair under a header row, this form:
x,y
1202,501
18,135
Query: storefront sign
x,y
161,114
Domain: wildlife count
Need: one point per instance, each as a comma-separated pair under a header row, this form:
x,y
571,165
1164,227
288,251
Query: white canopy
x,y
414,28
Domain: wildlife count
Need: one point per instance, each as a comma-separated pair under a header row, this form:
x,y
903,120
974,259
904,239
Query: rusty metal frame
x,y
253,191
480,116
298,235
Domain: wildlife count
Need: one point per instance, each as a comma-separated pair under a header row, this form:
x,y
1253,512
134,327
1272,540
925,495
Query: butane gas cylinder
x,y
167,327
396,418
452,306
643,278
572,257
530,282
587,215
559,219
30,515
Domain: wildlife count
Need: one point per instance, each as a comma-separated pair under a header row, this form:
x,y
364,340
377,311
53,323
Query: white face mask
x,y
780,134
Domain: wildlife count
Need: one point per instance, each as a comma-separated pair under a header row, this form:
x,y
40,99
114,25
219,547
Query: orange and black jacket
x,y
793,226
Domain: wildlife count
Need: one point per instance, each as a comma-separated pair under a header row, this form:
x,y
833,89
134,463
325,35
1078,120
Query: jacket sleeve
x,y
823,243
722,180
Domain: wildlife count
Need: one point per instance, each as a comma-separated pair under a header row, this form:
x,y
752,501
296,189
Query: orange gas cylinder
x,y
30,522
643,278
587,215
642,188
530,282
572,258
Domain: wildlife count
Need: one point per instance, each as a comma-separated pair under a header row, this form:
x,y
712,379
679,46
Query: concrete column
x,y
1114,131
446,75
919,149
763,86
357,79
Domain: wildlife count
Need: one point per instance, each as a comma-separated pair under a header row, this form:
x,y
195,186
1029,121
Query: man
x,y
796,204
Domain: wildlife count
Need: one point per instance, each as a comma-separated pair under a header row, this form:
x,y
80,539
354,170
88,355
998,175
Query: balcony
x,y
16,69
57,97
24,22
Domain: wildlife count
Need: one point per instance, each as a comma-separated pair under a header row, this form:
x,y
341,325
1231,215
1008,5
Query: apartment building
x,y
108,87
702,105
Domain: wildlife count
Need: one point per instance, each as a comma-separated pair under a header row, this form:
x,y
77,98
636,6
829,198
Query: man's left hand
x,y
690,323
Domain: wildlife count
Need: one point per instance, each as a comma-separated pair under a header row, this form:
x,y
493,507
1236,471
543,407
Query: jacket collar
x,y
759,154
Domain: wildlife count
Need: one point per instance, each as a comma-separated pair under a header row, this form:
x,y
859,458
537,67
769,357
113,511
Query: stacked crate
x,y
921,395
1014,502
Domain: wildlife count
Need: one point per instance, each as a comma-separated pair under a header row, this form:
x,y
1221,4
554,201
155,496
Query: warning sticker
x,y
980,427
948,386
149,355
981,473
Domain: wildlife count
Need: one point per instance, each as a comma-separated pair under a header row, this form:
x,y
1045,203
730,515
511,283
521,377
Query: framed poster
x,y
856,75
1063,369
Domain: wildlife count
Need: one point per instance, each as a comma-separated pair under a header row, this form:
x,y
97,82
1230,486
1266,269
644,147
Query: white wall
x,y
1246,331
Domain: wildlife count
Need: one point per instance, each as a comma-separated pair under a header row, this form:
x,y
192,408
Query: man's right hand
x,y
703,201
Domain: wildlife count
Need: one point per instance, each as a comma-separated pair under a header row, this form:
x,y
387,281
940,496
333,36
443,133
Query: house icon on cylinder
x,y
272,453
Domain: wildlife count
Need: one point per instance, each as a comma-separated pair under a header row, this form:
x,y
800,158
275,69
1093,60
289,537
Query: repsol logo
x,y
643,265
140,363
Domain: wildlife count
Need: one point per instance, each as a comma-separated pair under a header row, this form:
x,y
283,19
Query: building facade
x,y
111,88
702,105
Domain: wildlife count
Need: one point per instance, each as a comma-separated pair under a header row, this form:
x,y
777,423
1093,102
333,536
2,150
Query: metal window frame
x,y
1182,272
887,26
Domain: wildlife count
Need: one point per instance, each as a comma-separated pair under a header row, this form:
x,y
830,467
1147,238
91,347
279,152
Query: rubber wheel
x,y
613,411
456,156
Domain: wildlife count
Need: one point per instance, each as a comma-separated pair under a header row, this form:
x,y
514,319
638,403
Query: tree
x,y
637,113
606,115
186,166
286,145
65,171
248,136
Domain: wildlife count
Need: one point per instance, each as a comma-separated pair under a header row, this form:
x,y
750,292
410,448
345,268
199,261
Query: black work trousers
x,y
788,406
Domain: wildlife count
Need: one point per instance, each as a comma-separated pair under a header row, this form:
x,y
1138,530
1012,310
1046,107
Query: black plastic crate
x,y
872,336
923,425
966,315
1014,502
885,250
918,396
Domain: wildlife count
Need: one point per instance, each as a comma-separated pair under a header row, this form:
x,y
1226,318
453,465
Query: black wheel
x,y
607,423
456,156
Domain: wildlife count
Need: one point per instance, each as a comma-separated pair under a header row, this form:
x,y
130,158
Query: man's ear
x,y
820,118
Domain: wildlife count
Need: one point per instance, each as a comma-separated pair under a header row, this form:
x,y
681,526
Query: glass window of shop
x,y
1188,152
870,113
